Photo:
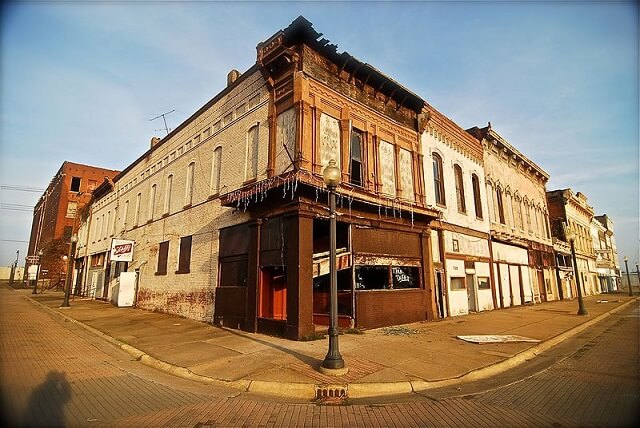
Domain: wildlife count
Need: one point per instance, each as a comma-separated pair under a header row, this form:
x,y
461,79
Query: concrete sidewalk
x,y
385,361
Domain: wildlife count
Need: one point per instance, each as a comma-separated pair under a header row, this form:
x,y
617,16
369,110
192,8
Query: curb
x,y
309,391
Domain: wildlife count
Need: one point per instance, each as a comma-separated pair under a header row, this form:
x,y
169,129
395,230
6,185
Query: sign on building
x,y
121,250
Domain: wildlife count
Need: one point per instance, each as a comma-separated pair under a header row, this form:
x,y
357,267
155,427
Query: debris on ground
x,y
399,331
496,338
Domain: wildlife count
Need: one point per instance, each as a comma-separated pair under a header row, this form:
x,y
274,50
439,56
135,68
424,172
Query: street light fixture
x,y
626,265
571,236
333,362
35,285
70,258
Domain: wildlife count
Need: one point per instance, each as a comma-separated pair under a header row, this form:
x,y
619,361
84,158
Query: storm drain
x,y
331,392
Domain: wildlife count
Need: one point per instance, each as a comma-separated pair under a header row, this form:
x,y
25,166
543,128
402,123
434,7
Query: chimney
x,y
232,76
154,141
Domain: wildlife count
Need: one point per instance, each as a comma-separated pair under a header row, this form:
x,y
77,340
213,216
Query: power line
x,y
21,188
13,240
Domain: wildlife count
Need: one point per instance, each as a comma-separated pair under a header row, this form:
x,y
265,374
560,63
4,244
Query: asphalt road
x,y
56,374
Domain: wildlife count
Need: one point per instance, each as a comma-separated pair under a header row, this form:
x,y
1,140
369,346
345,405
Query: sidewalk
x,y
385,361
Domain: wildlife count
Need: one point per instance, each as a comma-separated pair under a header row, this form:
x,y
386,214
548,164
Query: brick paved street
x,y
54,373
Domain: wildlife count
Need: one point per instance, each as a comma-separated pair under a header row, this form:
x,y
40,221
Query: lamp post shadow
x,y
47,402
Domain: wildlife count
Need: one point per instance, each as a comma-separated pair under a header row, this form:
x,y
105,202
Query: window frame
x,y
438,179
163,258
459,182
184,255
477,200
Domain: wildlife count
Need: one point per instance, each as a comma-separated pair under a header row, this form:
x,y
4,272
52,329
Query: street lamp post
x,y
333,362
637,272
626,266
35,285
70,259
571,236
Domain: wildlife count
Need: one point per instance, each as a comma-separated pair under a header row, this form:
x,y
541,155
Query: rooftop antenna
x,y
164,119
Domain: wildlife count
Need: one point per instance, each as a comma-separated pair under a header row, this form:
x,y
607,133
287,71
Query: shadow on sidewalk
x,y
313,362
47,402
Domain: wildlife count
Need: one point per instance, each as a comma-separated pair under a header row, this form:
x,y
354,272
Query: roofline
x,y
187,121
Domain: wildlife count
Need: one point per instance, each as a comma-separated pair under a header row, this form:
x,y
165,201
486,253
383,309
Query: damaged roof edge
x,y
302,31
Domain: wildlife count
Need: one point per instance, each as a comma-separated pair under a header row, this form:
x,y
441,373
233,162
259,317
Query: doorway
x,y
472,293
273,293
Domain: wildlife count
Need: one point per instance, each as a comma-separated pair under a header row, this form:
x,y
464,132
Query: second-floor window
x,y
500,205
215,170
251,168
477,202
167,194
136,217
188,195
152,201
457,172
355,165
438,180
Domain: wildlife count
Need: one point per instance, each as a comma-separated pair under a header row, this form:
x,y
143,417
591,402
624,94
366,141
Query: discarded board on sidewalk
x,y
497,338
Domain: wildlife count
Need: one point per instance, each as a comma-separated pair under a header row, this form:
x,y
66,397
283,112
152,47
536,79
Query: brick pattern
x,y
54,374
190,295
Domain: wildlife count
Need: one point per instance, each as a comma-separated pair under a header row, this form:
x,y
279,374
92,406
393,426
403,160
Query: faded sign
x,y
406,174
121,250
285,140
329,140
388,168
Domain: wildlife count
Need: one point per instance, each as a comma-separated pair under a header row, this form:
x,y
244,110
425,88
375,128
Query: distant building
x,y
607,263
455,177
569,212
521,245
55,216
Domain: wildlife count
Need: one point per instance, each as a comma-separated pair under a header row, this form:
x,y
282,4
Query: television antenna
x,y
164,119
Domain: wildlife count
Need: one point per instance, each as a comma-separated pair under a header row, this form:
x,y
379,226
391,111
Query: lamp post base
x,y
334,372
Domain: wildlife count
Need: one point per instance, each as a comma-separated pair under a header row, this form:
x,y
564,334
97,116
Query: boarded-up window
x,y
188,193
462,204
152,201
167,195
251,169
406,174
72,208
163,254
285,140
184,260
387,168
233,272
329,140
215,170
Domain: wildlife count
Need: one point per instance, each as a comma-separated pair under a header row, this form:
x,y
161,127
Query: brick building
x,y
454,171
569,211
55,216
521,244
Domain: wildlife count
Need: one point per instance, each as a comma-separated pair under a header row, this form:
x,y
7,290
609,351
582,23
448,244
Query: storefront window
x,y
387,277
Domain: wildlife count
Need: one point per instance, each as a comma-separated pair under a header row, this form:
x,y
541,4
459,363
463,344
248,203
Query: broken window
x,y
75,184
387,277
355,167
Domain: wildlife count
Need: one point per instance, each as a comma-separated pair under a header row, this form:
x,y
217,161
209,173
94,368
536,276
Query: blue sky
x,y
80,81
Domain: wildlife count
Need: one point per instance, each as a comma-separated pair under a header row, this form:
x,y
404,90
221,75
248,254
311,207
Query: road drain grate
x,y
331,392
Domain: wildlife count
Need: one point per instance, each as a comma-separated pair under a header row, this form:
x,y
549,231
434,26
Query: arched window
x,y
477,202
215,170
251,164
167,195
136,216
457,172
125,214
152,201
438,179
500,205
188,192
